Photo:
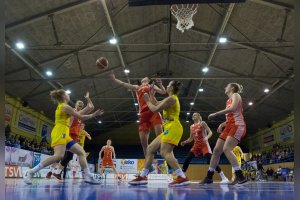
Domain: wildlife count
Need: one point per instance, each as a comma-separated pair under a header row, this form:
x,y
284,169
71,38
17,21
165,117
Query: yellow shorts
x,y
172,132
60,135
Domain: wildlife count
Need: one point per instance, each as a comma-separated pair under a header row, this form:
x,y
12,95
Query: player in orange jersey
x,y
200,133
148,119
107,159
234,131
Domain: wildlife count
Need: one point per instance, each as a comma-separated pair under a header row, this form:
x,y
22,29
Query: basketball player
x,y
107,160
239,155
167,140
200,133
75,128
234,131
60,139
148,119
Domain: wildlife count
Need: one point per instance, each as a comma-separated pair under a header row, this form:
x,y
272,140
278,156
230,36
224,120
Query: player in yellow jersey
x,y
167,140
82,135
61,139
239,155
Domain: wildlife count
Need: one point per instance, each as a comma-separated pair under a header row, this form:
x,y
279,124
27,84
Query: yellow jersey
x,y
61,117
172,113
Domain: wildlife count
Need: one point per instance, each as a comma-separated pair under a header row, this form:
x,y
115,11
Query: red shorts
x,y
201,149
74,136
236,131
107,162
148,120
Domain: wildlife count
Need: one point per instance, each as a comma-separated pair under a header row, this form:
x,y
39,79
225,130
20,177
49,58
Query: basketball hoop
x,y
184,15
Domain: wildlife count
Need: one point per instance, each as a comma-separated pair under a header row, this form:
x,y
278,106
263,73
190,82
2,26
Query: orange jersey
x,y
75,126
235,117
107,153
199,133
139,93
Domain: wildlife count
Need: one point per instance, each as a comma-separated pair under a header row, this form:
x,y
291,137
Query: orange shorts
x,y
148,120
107,162
201,149
236,131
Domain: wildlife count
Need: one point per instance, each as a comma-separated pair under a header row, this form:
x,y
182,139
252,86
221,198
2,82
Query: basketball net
x,y
184,14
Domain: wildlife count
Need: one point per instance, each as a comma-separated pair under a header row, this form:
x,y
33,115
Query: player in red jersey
x,y
234,131
75,128
107,160
148,119
200,133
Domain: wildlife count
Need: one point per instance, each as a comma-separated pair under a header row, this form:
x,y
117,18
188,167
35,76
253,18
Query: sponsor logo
x,y
166,132
127,162
12,171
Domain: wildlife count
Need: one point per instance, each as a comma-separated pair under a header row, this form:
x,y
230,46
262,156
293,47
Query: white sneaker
x,y
27,177
89,178
224,181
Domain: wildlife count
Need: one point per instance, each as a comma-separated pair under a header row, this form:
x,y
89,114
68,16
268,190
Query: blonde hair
x,y
57,95
237,88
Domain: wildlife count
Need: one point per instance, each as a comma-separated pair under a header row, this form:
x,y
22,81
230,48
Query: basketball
x,y
102,63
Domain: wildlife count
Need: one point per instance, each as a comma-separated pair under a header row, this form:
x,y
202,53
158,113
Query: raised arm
x,y
119,82
235,102
190,139
160,88
167,102
68,109
89,106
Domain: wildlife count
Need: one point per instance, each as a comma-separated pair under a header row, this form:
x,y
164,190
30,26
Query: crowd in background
x,y
21,142
276,155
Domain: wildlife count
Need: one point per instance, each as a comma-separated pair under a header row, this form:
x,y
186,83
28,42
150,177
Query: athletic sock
x,y
180,173
222,175
211,169
86,171
237,168
144,172
37,168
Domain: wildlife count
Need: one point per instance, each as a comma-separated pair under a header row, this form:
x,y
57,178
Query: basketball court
x,y
77,190
103,51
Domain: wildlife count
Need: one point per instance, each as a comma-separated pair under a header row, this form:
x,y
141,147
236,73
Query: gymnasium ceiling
x,y
67,36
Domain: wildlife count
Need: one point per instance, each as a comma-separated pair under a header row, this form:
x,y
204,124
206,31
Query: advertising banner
x,y
286,132
26,122
127,166
8,113
21,157
13,171
269,138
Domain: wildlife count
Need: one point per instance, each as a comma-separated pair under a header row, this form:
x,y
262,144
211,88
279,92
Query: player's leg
x,y
58,154
187,161
214,161
77,149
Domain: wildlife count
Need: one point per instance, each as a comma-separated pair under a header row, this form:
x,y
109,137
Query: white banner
x,y
21,157
127,166
7,155
27,122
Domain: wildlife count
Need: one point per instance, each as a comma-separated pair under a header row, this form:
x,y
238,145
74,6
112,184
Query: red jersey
x,y
139,93
75,126
107,152
199,133
235,117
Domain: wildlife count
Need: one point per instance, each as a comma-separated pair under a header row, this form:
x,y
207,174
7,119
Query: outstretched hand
x,y
87,95
211,116
99,112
